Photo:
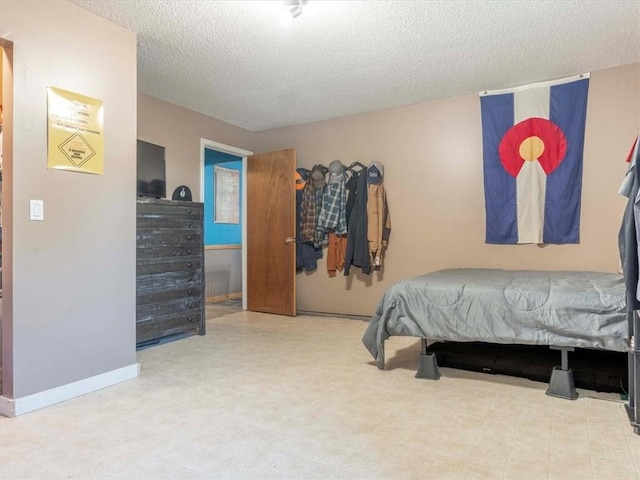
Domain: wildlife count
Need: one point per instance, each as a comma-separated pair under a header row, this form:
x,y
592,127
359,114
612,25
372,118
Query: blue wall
x,y
219,233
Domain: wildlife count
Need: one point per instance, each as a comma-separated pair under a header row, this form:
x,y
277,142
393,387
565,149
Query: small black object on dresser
x,y
182,193
169,269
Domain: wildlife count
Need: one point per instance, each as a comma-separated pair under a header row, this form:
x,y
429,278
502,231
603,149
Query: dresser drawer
x,y
169,280
169,325
155,264
168,237
160,208
169,307
192,222
154,251
150,297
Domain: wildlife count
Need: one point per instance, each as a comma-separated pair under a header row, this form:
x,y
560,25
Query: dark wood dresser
x,y
169,269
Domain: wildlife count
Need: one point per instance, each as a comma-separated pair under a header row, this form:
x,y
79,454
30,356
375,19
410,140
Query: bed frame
x,y
561,384
517,312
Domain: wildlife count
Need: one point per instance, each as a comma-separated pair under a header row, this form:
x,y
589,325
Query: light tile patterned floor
x,y
263,396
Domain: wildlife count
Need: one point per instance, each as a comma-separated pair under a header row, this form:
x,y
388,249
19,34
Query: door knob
x,y
289,240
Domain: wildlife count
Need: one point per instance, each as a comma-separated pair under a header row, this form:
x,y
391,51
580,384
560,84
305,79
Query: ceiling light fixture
x,y
291,10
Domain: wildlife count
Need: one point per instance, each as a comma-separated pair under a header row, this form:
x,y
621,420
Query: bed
x,y
564,310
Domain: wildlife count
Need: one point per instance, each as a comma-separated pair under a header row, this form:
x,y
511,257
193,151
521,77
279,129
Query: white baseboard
x,y
12,407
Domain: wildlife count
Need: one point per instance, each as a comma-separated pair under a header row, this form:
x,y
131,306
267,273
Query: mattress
x,y
563,309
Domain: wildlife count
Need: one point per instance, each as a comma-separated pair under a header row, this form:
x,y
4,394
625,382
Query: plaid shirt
x,y
309,213
333,214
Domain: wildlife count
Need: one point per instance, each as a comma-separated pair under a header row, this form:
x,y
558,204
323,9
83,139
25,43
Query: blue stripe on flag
x,y
500,197
568,110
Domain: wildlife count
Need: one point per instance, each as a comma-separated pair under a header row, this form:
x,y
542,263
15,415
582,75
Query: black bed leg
x,y
428,364
561,384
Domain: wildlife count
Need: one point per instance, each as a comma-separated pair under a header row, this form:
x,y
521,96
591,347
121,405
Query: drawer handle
x,y
190,265
190,306
188,224
188,210
190,292
189,251
190,279
189,319
189,237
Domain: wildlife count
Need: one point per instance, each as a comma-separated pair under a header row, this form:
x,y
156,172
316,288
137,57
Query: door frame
x,y
243,154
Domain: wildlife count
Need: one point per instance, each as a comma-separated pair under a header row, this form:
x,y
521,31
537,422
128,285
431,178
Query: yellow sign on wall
x,y
75,132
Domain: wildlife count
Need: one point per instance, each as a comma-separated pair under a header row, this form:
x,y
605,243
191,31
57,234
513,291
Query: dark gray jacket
x,y
357,244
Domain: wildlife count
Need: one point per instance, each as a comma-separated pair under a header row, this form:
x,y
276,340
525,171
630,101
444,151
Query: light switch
x,y
36,210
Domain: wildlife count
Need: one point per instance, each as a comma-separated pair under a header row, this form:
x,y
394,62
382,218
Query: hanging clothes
x,y
351,185
627,237
333,214
378,218
630,258
306,254
308,214
311,206
357,253
336,253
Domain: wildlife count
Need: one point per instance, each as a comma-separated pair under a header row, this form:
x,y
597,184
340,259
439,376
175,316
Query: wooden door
x,y
271,246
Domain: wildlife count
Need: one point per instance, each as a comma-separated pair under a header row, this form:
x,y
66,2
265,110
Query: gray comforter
x,y
566,309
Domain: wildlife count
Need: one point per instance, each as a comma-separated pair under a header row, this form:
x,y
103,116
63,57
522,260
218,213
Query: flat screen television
x,y
151,170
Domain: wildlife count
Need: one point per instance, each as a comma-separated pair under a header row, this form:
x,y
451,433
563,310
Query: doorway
x,y
225,243
268,254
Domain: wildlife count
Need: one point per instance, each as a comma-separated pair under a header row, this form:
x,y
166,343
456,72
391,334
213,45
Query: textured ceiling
x,y
234,61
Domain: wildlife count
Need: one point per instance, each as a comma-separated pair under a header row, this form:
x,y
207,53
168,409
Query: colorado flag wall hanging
x,y
533,139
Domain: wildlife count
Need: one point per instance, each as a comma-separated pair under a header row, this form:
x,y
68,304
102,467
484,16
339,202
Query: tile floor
x,y
263,396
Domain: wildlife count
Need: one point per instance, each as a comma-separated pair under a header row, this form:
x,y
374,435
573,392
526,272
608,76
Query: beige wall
x,y
432,153
180,130
69,281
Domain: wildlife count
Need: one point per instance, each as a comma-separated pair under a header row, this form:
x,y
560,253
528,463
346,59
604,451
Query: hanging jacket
x,y
333,214
351,186
309,213
379,224
627,236
357,246
306,253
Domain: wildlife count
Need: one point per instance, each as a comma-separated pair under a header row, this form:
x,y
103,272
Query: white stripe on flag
x,y
531,103
531,188
531,181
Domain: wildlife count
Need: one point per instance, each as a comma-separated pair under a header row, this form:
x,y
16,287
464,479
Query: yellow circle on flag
x,y
531,148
